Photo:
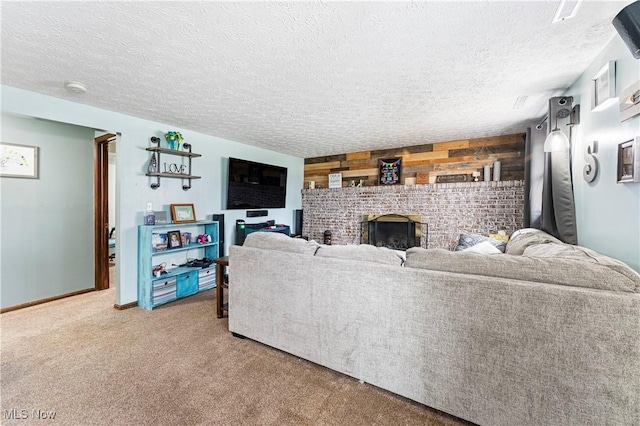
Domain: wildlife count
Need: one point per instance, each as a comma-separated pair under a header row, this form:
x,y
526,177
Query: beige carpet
x,y
176,365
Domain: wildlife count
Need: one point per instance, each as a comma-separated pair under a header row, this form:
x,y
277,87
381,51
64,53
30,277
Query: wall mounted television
x,y
252,185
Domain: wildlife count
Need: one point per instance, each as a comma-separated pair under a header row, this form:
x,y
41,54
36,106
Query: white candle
x,y
496,171
487,173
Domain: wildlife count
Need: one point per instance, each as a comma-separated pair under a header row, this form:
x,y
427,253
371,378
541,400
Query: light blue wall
x,y
132,187
607,213
46,247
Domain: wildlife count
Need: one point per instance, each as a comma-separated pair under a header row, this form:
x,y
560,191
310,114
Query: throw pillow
x,y
484,247
468,240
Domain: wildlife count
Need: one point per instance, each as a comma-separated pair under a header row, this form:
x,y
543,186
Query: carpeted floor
x,y
177,365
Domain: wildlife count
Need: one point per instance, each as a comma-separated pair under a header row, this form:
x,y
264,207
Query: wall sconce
x,y
561,108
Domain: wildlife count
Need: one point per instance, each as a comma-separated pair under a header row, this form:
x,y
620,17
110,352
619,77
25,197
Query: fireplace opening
x,y
397,232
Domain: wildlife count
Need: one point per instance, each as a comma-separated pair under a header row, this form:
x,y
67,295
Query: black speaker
x,y
627,23
220,219
297,222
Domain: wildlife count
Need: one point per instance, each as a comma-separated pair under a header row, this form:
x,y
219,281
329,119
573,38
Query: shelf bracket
x,y
156,140
187,187
157,184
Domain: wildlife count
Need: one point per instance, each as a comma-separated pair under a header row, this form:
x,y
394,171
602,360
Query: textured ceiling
x,y
308,78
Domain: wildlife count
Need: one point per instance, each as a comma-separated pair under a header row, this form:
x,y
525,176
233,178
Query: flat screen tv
x,y
254,185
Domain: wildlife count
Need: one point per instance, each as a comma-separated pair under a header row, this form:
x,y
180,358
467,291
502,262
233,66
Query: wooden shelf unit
x,y
156,150
181,281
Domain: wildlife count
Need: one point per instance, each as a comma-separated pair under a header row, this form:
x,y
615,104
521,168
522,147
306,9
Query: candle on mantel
x,y
496,171
487,173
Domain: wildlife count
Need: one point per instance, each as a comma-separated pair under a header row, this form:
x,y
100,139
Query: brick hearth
x,y
448,209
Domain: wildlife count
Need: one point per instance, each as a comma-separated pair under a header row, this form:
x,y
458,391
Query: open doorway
x,y
104,202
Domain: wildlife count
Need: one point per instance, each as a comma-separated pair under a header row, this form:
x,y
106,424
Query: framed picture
x,y
158,242
603,87
629,161
174,240
389,171
20,161
335,180
182,213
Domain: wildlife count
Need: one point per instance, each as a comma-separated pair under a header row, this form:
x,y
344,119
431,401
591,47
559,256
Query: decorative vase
x,y
173,144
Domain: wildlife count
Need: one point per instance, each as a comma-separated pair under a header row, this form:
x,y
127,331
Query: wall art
x,y
19,161
629,161
389,171
603,87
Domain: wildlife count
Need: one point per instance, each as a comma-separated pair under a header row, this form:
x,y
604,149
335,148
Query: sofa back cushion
x,y
281,242
592,259
362,252
552,270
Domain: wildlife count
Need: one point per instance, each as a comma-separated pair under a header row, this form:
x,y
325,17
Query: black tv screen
x,y
254,185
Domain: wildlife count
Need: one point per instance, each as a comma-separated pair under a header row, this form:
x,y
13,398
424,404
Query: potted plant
x,y
174,139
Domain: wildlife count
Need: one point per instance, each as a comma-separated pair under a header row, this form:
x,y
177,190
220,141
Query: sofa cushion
x,y
361,252
523,238
467,240
558,271
583,254
280,242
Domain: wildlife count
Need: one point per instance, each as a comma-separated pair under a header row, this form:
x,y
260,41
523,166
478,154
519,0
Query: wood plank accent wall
x,y
424,162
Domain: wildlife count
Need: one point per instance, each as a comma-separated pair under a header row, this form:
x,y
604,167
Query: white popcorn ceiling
x,y
309,78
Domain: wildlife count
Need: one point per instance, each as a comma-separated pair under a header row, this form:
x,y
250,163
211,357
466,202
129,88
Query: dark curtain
x,y
558,208
534,176
548,203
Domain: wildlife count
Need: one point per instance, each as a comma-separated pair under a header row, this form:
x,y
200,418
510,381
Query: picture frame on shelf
x,y
183,213
629,161
603,87
18,161
158,242
161,217
335,180
174,240
389,171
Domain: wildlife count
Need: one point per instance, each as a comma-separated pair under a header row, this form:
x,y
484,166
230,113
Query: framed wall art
x,y
183,213
603,87
629,161
18,161
335,180
389,171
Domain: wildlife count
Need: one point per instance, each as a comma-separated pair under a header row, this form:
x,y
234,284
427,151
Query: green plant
x,y
173,136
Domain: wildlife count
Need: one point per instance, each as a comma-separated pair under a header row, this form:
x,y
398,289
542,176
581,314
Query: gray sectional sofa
x,y
544,334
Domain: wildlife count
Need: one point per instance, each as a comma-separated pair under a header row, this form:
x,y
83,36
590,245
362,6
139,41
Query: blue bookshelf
x,y
181,281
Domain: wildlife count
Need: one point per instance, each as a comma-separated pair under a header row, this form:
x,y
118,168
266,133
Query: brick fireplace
x,y
447,208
